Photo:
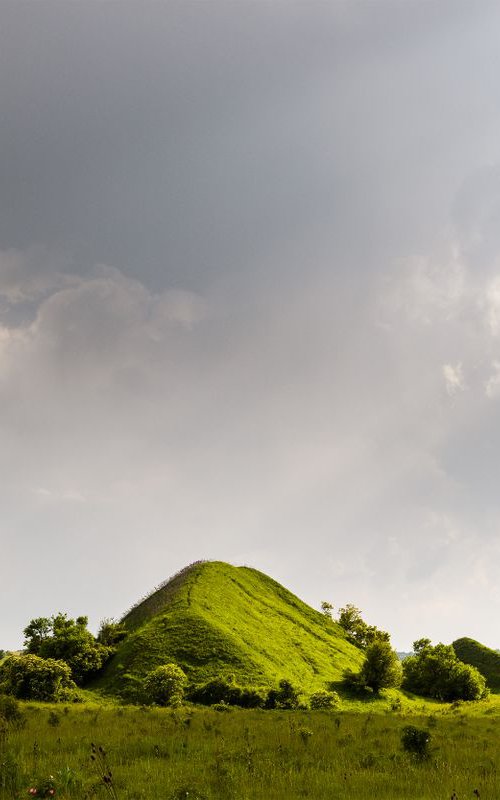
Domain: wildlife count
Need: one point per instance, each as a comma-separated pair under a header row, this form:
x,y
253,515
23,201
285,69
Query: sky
x,y
250,304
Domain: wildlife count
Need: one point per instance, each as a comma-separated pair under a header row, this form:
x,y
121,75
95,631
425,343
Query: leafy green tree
x,y
165,685
67,640
327,609
29,677
437,672
35,634
381,668
356,629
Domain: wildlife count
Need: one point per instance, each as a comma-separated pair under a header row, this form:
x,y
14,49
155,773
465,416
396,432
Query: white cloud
x,y
492,385
454,378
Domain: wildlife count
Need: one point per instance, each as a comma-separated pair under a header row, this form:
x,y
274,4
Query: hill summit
x,y
478,655
214,619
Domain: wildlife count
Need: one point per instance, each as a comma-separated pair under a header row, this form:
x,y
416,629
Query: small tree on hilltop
x,y
327,608
165,685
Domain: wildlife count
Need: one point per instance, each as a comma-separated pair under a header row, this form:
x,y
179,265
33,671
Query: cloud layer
x,y
250,306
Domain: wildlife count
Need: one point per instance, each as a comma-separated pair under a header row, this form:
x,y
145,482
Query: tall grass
x,y
251,755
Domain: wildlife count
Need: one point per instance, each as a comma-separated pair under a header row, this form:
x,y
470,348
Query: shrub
x,y
67,640
286,696
30,677
324,700
10,711
437,672
165,685
222,690
381,668
354,683
416,741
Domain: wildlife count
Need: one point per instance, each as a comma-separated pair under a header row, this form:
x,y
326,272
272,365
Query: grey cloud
x,y
300,233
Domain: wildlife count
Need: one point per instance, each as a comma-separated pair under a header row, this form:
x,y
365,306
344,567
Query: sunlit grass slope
x,y
486,660
215,619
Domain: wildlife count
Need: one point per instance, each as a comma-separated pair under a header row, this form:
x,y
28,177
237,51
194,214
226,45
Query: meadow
x,y
197,753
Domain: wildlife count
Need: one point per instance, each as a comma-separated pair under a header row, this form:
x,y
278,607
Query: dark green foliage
x,y
382,667
222,690
30,677
356,629
164,685
110,632
10,711
437,672
67,640
322,699
285,696
487,661
416,741
354,683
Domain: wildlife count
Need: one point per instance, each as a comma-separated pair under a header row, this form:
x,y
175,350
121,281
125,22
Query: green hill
x,y
215,619
486,660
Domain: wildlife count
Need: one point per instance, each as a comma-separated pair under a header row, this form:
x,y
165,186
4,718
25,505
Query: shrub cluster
x,y
224,690
437,672
30,677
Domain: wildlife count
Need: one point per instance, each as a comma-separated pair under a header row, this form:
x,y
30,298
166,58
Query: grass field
x,y
254,755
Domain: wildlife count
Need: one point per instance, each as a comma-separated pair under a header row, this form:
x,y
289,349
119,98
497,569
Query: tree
x,y
356,629
437,672
29,677
67,640
381,668
35,634
165,685
327,608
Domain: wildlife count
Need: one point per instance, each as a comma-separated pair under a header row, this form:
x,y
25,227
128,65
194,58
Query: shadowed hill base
x,y
486,660
215,619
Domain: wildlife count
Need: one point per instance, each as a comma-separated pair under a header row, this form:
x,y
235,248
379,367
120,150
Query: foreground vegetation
x,y
205,753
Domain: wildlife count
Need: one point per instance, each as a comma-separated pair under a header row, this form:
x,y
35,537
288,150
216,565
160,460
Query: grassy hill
x,y
486,660
215,619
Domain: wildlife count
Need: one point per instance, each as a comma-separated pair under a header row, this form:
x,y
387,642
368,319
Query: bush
x,y
416,741
354,683
324,700
67,640
286,696
381,668
10,711
33,678
165,685
437,672
222,690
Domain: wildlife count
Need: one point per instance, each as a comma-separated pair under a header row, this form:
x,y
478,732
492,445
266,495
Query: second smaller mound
x,y
486,660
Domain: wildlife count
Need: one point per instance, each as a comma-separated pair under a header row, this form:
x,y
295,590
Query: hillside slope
x,y
215,619
486,660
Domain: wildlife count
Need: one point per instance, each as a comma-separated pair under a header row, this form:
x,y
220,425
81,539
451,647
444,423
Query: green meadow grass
x,y
214,619
254,755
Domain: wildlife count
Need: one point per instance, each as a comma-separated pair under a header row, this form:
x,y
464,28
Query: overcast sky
x,y
250,304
